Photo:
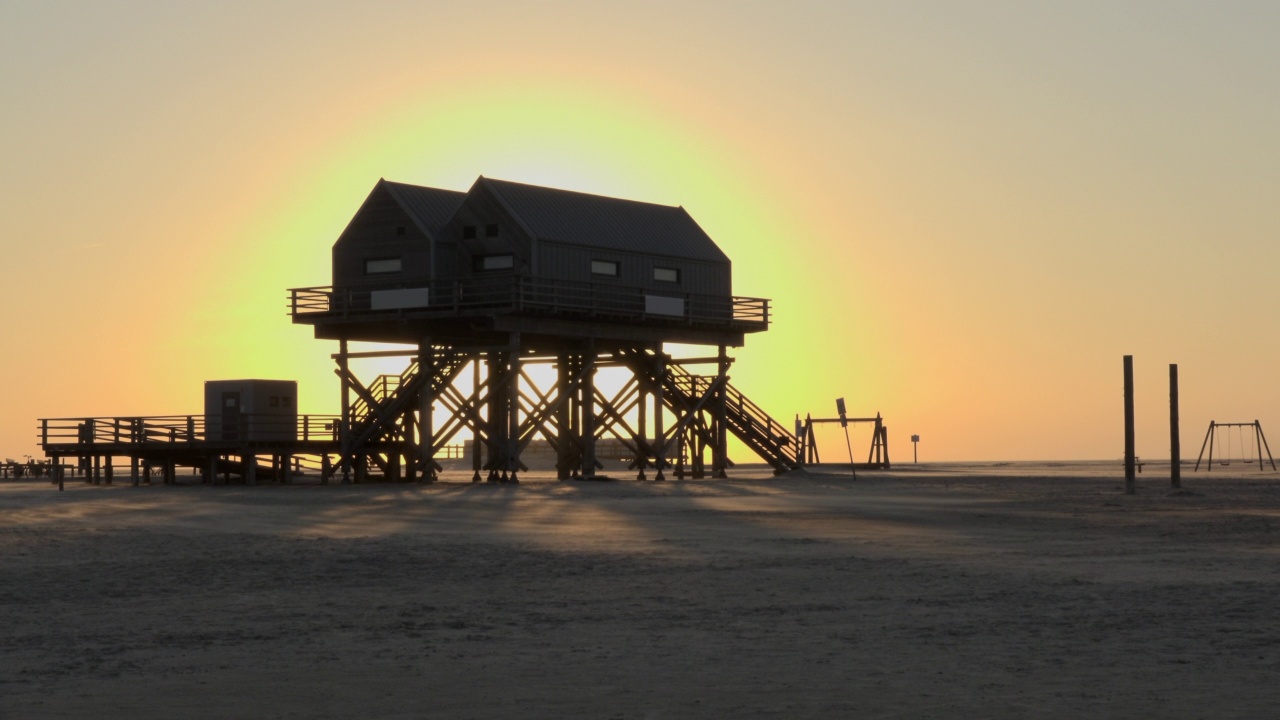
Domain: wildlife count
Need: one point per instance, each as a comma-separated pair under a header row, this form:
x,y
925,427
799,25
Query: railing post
x,y
44,432
191,428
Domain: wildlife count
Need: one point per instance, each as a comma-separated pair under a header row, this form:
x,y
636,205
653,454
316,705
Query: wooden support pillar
x,y
659,433
1175,439
249,463
476,458
563,422
133,470
1130,463
426,403
642,426
59,471
513,410
344,428
588,391
210,470
493,371
109,469
700,447
682,445
720,453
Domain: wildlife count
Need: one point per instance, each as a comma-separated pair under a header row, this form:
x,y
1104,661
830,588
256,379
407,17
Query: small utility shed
x,y
393,236
561,235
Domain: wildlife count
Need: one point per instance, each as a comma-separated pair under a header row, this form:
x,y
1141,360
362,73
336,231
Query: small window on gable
x,y
491,230
604,267
399,229
488,263
468,232
286,401
275,401
381,266
667,275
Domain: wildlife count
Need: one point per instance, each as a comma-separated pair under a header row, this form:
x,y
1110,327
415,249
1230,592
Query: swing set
x,y
807,447
1248,445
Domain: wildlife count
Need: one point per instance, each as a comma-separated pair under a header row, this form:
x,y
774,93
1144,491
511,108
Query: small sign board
x,y
840,409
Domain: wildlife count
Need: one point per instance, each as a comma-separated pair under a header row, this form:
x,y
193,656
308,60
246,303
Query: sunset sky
x,y
965,213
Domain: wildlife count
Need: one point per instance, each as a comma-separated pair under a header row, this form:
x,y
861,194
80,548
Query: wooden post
x,y
344,429
476,461
513,410
564,437
659,437
588,411
1130,479
1175,441
642,422
884,446
493,371
426,426
720,453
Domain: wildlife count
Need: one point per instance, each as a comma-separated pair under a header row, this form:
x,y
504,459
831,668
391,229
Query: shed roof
x,y
603,222
430,208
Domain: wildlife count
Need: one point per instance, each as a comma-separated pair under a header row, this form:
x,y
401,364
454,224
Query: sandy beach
x,y
939,591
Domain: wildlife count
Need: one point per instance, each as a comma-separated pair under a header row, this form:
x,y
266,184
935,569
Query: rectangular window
x,y
604,267
484,263
468,232
667,275
275,401
491,231
381,266
286,401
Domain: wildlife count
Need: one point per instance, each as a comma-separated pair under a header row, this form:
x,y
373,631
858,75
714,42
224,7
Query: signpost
x,y
915,441
844,423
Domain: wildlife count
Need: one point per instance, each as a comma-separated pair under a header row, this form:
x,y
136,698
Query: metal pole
x,y
1175,441
1130,479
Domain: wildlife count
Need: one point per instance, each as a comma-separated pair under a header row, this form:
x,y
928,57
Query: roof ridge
x,y
497,181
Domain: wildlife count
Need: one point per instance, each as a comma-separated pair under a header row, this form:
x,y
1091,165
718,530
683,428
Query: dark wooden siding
x,y
373,234
480,210
573,262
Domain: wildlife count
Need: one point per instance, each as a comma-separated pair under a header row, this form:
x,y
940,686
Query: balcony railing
x,y
514,294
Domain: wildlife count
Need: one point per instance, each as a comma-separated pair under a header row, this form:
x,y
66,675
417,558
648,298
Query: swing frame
x,y
1260,444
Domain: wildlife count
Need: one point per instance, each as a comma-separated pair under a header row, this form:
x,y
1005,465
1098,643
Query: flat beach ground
x,y
931,591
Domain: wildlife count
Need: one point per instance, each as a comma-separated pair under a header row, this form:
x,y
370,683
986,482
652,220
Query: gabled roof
x,y
430,208
602,222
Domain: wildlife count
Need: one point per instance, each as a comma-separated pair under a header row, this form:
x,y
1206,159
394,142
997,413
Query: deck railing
x,y
509,293
169,429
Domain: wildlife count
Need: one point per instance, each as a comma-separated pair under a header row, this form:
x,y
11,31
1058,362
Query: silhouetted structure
x,y
482,285
506,275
